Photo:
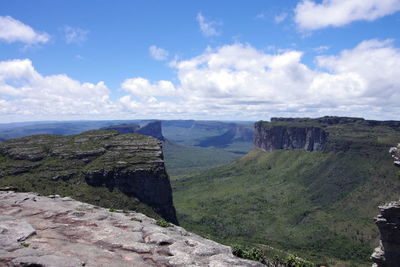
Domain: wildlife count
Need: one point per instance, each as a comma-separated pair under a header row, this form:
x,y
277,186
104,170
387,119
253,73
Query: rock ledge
x,y
61,232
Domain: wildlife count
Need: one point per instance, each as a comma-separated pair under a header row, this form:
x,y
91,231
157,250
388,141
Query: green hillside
x,y
182,161
319,205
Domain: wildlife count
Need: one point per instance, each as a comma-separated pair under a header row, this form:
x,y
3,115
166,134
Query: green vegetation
x,y
318,205
24,244
294,261
136,219
51,164
163,223
254,254
181,160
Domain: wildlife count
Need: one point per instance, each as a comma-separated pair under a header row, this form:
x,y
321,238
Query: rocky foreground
x,y
60,232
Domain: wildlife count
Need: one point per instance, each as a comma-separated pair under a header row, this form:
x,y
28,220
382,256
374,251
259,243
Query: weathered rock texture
x,y
151,129
270,138
395,152
388,222
130,163
61,232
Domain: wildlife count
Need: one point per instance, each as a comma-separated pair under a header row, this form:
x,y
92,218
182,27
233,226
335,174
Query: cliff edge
x,y
271,137
101,167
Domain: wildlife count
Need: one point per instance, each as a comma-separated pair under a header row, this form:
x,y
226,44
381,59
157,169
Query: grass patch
x,y
164,223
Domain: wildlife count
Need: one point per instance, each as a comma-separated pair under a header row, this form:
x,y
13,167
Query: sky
x,y
206,60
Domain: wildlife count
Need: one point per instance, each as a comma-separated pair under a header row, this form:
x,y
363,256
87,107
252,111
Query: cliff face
x,y
388,222
270,138
84,165
151,129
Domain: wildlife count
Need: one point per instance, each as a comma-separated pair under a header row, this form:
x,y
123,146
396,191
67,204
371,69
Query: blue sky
x,y
238,60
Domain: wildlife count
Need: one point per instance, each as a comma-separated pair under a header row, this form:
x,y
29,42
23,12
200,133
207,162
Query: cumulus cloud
x,y
158,53
207,27
12,30
234,81
239,81
141,87
75,35
25,92
310,15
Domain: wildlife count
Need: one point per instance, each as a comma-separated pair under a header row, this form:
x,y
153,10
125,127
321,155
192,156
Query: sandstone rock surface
x,y
61,232
388,222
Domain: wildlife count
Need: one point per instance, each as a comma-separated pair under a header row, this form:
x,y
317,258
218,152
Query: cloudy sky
x,y
179,59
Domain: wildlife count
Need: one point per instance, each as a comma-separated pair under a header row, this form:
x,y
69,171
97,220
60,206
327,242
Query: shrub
x,y
163,223
25,244
294,261
254,254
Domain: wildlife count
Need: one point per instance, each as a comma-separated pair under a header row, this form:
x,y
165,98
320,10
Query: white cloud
x,y
280,17
12,30
207,27
25,92
75,35
239,81
334,13
229,82
142,88
158,53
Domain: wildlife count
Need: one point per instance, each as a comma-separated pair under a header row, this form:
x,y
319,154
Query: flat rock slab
x,y
62,232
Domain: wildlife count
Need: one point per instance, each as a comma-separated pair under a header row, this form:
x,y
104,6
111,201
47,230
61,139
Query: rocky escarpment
x,y
151,129
328,133
388,222
101,167
275,137
61,232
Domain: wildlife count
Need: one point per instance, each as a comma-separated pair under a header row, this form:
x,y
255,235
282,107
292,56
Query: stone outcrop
x,y
130,163
151,129
388,222
61,232
395,152
277,137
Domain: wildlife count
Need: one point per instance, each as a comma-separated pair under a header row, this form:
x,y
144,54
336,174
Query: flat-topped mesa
x,y
270,138
327,133
332,120
84,165
151,129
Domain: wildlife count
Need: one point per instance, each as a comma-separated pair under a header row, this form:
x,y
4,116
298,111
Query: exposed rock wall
x,y
388,222
61,232
151,129
132,163
289,137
